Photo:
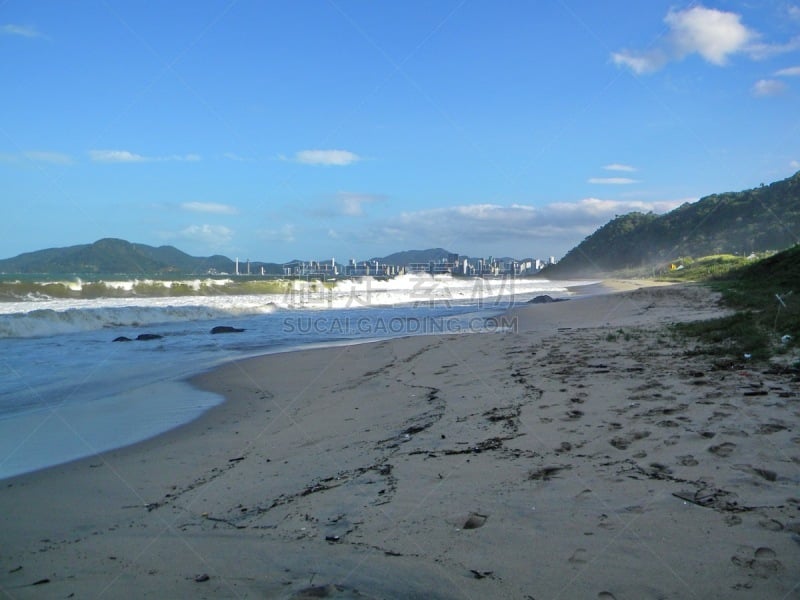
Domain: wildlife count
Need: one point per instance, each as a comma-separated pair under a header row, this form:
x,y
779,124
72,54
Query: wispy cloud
x,y
768,87
619,167
612,180
352,204
712,34
338,158
55,158
115,156
215,236
788,72
561,224
210,207
21,31
125,156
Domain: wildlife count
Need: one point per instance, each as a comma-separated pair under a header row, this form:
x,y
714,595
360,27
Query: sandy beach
x,y
580,454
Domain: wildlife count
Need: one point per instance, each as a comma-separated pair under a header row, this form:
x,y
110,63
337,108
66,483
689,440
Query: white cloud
x,y
640,63
794,11
124,156
210,207
768,87
762,51
558,226
713,34
338,158
619,167
788,72
120,156
215,236
55,158
21,31
612,180
795,164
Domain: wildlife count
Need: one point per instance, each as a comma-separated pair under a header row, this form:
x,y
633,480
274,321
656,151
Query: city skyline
x,y
343,128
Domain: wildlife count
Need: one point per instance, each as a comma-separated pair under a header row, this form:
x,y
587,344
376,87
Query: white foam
x,y
54,316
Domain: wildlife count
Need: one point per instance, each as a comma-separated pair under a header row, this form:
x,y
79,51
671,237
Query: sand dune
x,y
583,455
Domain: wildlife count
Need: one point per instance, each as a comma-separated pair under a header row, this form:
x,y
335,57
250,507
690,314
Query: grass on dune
x,y
766,297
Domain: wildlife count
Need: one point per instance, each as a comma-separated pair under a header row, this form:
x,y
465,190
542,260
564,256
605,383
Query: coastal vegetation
x,y
765,296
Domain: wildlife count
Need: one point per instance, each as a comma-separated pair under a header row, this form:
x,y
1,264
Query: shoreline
x,y
442,467
101,447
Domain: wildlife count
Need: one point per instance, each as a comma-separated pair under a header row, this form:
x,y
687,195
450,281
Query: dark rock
x,y
122,338
545,299
143,337
226,329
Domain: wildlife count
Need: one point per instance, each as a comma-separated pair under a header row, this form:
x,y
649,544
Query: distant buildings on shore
x,y
453,264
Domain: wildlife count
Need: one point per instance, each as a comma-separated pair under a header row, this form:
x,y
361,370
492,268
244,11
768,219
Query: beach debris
x,y
785,339
202,578
235,460
41,581
226,329
333,538
547,473
715,498
481,574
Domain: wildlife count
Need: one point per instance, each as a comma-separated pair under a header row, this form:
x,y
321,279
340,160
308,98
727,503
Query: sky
x,y
347,129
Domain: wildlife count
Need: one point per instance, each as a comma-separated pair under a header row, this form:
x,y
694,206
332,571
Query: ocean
x,y
68,390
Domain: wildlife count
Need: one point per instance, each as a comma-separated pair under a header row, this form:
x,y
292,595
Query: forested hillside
x,y
763,218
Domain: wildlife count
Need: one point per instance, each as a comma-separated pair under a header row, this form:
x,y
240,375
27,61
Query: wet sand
x,y
582,455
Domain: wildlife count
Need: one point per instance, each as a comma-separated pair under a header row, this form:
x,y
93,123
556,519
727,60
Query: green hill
x,y
414,256
763,218
114,256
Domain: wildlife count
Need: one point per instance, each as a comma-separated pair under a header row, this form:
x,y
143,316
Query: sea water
x,y
67,390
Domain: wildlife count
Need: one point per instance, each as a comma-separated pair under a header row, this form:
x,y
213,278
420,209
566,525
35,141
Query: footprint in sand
x,y
723,450
758,471
580,556
328,591
606,596
622,442
475,521
771,525
687,461
761,562
768,428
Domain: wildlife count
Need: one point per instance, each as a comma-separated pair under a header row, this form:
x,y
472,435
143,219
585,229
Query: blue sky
x,y
351,129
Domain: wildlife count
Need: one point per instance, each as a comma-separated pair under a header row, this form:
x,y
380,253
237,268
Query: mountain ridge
x,y
758,219
114,256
